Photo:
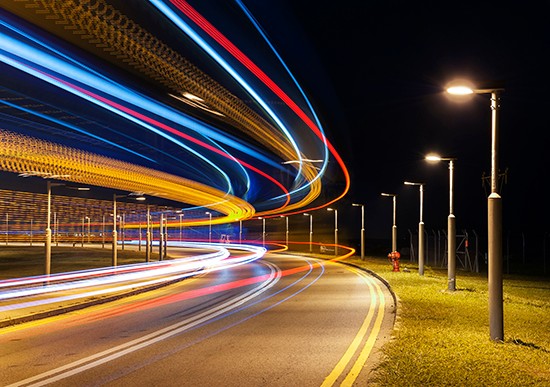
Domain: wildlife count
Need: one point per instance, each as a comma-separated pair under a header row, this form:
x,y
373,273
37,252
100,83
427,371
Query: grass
x,y
442,338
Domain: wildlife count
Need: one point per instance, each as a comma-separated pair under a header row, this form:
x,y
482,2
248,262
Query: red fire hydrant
x,y
394,258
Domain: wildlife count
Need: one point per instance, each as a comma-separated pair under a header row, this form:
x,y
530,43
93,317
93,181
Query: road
x,y
283,320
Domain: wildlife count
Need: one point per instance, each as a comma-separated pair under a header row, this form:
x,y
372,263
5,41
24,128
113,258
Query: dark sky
x,y
376,71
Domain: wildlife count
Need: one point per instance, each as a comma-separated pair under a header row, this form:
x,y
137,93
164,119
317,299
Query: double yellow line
x,y
377,306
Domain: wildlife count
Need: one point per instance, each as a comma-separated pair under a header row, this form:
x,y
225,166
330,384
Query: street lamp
x,y
47,268
115,238
148,243
451,225
420,228
263,230
209,226
494,214
394,227
181,226
335,229
310,232
362,228
286,232
240,231
88,228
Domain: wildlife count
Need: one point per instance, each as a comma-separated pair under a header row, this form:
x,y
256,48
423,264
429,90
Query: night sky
x,y
376,72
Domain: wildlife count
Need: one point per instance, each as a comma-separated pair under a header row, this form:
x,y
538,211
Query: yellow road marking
x,y
346,358
362,359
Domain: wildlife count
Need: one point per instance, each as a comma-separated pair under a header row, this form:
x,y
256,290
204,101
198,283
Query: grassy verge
x,y
442,338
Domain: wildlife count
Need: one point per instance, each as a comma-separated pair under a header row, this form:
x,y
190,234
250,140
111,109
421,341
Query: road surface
x,y
284,320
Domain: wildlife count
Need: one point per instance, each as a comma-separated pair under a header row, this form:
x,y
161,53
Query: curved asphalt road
x,y
285,320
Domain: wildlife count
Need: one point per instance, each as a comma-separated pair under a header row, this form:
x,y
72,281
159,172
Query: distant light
x,y
141,198
460,90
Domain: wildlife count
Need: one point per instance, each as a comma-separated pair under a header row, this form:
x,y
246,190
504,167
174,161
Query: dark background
x,y
376,72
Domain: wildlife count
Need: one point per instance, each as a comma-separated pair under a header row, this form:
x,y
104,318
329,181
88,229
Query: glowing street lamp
x,y
394,226
335,229
420,228
494,214
451,225
362,228
310,231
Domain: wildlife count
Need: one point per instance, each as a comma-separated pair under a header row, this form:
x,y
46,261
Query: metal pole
x,y
240,231
47,264
310,233
263,232
139,235
286,232
82,234
148,237
161,237
122,225
362,232
394,227
210,228
494,206
114,253
181,228
165,241
421,246
451,235
335,232
103,233
89,229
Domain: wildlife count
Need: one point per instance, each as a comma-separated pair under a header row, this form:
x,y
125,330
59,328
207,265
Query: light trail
x,y
132,276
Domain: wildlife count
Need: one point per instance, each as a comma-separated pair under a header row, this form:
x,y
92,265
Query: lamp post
x,y
82,233
451,225
240,231
394,226
263,231
209,226
115,238
181,227
310,232
421,245
148,244
494,218
103,232
161,235
286,232
335,229
89,231
362,228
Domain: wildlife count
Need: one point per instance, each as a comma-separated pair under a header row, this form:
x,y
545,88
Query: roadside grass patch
x,y
442,338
